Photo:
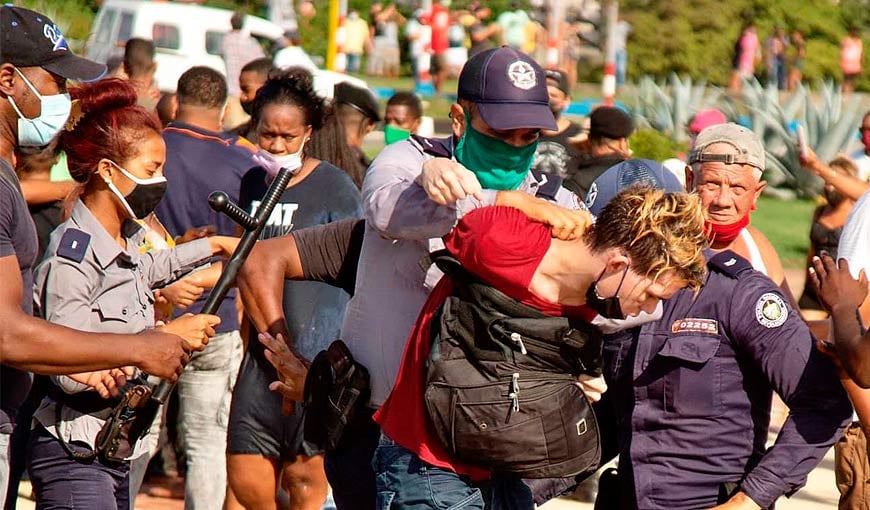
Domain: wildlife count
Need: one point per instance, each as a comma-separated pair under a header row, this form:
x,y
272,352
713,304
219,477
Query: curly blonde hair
x,y
660,232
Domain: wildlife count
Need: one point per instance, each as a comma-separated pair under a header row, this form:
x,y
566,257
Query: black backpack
x,y
501,385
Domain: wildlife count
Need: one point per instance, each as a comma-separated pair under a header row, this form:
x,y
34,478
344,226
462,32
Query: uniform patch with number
x,y
770,310
691,325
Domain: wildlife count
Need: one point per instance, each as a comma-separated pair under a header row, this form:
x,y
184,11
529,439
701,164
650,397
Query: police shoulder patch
x,y
770,310
73,244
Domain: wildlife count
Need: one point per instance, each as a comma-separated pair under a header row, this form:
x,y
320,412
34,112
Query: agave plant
x,y
829,121
668,107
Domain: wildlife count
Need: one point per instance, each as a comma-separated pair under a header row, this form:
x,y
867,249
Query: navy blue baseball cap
x,y
31,39
509,89
641,172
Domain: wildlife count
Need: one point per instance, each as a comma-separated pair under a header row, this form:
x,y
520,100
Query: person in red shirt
x,y
440,21
645,245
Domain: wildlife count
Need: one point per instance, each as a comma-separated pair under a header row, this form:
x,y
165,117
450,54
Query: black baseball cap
x,y
610,122
31,39
509,89
357,97
559,80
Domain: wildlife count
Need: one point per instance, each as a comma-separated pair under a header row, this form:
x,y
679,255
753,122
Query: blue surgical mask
x,y
53,114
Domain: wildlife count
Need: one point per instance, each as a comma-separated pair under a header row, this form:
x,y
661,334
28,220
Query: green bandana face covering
x,y
393,134
497,165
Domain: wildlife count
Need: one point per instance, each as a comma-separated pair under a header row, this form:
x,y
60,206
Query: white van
x,y
184,35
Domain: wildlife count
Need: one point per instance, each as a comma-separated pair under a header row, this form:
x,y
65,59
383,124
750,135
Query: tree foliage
x,y
697,37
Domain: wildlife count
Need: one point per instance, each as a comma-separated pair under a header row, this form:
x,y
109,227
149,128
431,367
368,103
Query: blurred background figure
x,y
357,40
254,74
558,151
139,67
357,110
861,157
851,58
747,53
402,116
798,55
513,26
239,48
776,65
481,32
290,53
828,221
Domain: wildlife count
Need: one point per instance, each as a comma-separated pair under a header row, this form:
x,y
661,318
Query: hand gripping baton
x,y
220,202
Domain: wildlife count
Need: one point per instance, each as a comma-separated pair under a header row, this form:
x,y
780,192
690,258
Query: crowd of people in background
x,y
784,56
695,323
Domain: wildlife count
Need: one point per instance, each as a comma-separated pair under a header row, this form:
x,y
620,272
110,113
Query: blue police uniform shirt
x,y
18,239
693,390
313,310
199,162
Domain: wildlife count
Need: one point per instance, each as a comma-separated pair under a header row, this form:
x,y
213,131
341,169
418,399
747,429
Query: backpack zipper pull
x,y
515,391
517,339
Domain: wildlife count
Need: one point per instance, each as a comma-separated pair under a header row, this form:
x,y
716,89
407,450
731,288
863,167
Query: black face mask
x,y
248,107
609,308
145,195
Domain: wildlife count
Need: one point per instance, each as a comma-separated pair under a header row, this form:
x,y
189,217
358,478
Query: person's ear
x,y
106,170
307,137
457,120
369,126
758,189
415,126
690,179
617,260
7,79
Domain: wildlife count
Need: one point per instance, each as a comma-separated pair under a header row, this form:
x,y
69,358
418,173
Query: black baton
x,y
220,202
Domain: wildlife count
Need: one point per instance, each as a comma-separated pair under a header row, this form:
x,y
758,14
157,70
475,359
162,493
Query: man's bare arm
x,y
44,192
261,283
38,346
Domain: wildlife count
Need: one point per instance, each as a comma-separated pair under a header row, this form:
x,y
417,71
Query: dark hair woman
x,y
265,448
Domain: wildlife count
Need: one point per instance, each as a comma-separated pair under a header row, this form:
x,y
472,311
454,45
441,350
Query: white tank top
x,y
754,253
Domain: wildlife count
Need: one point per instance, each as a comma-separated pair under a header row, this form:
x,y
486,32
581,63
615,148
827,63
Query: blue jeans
x,y
406,482
205,391
61,482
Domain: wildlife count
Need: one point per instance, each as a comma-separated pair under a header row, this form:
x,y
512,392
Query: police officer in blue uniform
x,y
693,392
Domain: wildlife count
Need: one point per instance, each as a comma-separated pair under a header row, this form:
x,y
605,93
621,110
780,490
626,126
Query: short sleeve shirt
x,y
313,310
504,248
18,239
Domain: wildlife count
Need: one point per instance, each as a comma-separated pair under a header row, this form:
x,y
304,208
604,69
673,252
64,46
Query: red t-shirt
x,y
440,26
503,247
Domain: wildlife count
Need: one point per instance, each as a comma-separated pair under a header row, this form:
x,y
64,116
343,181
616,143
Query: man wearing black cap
x,y
413,194
357,110
609,129
35,63
557,151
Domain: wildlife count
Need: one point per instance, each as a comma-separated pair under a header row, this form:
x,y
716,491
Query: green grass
x,y
786,223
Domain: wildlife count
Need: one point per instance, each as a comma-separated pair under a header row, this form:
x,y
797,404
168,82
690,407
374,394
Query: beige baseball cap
x,y
747,146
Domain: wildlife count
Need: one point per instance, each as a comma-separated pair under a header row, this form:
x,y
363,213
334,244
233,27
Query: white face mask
x,y
53,114
608,326
292,162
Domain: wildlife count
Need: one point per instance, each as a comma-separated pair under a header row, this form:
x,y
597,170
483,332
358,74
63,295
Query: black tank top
x,y
825,239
